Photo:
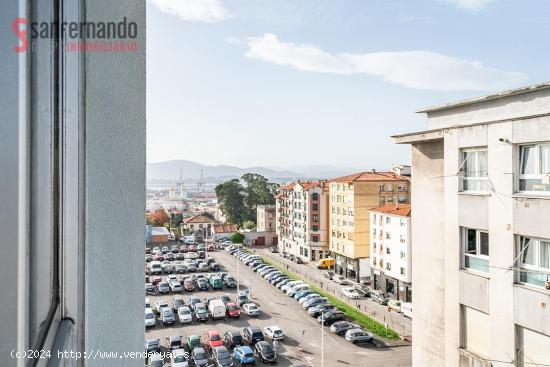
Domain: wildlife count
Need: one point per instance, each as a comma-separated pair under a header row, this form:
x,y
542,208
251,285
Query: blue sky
x,y
264,82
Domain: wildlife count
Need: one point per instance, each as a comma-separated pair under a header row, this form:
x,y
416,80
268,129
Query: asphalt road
x,y
279,309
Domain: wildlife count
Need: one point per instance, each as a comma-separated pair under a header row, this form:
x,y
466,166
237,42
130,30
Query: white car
x,y
179,358
150,319
171,277
289,285
175,286
350,293
274,332
184,315
159,304
340,280
251,309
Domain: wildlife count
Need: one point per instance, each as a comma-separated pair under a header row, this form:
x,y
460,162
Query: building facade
x,y
302,219
265,218
351,197
200,224
481,190
390,251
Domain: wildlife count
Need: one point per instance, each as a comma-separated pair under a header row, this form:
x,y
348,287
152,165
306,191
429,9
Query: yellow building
x,y
351,198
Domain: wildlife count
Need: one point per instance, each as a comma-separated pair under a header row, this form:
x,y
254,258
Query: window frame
x,y
478,254
463,178
537,268
538,175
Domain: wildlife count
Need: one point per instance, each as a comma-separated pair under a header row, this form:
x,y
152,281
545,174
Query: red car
x,y
158,258
156,280
183,248
232,310
212,339
210,248
192,248
189,284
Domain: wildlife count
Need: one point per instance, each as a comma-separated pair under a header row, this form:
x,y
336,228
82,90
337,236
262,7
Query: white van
x,y
216,308
407,309
155,267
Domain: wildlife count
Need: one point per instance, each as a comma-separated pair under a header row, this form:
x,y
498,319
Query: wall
x,y
428,255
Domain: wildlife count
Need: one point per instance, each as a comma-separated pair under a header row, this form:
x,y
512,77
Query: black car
x,y
298,260
230,282
265,352
273,250
252,335
316,311
331,317
214,266
225,299
340,327
232,339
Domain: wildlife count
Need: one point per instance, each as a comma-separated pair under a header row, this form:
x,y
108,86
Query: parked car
x,y
193,341
357,336
173,342
201,313
193,300
202,284
273,250
158,305
241,299
225,299
167,316
274,332
244,355
214,266
215,282
179,358
216,308
232,339
252,335
315,311
199,357
340,327
350,293
152,345
394,305
222,357
232,310
303,293
363,290
150,320
265,352
230,282
297,288
164,287
407,309
175,286
184,315
314,302
379,297
177,303
211,339
331,316
179,268
189,285
340,280
306,298
251,309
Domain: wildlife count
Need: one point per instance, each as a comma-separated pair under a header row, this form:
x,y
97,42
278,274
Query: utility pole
x,y
323,339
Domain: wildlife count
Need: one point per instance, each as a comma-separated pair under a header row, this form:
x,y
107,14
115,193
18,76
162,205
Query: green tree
x,y
258,191
237,237
248,224
231,198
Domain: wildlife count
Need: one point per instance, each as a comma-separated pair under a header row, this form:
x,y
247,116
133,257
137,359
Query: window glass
x,y
545,254
484,243
545,159
528,161
528,255
471,241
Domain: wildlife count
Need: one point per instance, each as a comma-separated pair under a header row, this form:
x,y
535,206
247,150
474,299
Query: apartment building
x,y
390,250
302,219
351,198
481,233
265,218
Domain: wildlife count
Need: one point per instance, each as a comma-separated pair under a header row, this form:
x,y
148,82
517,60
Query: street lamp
x,y
322,339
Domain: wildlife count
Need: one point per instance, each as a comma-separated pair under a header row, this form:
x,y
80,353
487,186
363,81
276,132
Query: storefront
x,y
348,268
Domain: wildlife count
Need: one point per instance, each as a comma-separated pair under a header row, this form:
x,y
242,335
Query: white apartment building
x,y
390,251
265,218
481,231
302,219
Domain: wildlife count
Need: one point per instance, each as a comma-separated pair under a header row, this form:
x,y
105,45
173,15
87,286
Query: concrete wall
x,y
428,255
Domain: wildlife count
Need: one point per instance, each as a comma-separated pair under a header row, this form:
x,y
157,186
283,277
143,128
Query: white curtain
x,y
545,159
545,254
528,160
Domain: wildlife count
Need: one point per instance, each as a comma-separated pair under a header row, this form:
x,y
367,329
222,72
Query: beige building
x,y
351,198
200,224
481,233
302,219
265,218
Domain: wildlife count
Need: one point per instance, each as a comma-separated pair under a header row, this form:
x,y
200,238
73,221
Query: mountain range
x,y
170,170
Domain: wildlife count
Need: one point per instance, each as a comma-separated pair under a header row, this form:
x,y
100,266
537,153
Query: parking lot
x,y
303,334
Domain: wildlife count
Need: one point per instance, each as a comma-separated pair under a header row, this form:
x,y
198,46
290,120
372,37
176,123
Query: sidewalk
x,y
395,320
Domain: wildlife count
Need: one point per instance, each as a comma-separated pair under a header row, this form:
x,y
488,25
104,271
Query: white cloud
x,y
233,40
472,5
413,69
208,11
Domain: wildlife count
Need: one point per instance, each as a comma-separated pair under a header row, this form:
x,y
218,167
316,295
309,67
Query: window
x,y
389,188
476,249
534,261
315,238
402,199
475,331
532,347
315,196
534,175
402,188
315,217
388,236
382,188
315,207
402,271
402,255
388,220
315,228
474,170
388,251
388,266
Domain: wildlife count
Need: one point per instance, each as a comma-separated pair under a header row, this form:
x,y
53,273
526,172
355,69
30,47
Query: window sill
x,y
476,273
521,195
474,193
532,288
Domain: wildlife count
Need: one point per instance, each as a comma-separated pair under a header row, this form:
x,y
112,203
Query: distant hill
x,y
170,170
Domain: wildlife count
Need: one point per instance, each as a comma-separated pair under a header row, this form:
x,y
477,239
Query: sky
x,y
287,83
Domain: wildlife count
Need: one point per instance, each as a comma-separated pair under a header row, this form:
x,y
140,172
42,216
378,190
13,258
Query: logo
x,y
78,36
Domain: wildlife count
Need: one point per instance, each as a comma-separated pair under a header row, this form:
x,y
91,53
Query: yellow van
x,y
326,263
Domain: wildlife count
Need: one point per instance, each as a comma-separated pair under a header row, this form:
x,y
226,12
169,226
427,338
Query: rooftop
x,y
225,228
490,97
403,210
200,218
371,176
